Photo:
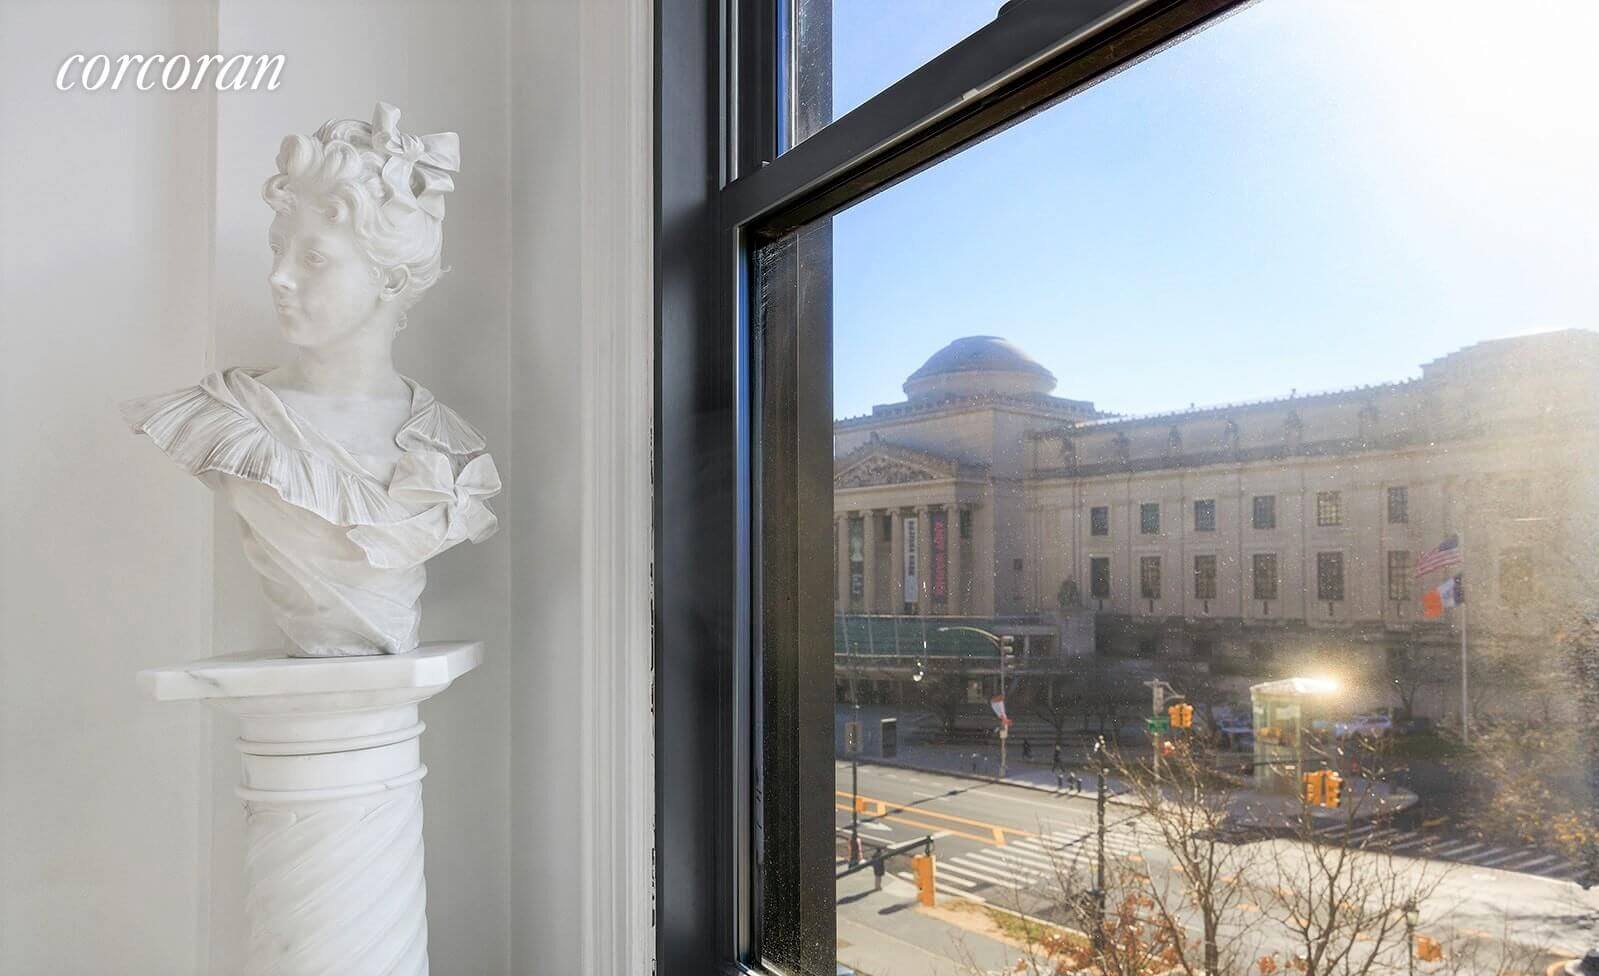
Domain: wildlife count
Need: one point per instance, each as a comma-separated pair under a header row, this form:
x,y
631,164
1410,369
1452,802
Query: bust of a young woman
x,y
346,476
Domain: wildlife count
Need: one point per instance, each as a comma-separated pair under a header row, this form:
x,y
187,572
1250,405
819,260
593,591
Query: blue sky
x,y
1310,194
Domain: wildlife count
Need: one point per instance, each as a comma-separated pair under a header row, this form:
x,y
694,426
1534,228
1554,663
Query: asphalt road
x,y
1003,845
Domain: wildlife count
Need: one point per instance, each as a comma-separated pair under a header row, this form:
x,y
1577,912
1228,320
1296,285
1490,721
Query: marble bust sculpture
x,y
346,476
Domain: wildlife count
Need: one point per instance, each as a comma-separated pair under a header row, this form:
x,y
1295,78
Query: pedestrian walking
x,y
1027,748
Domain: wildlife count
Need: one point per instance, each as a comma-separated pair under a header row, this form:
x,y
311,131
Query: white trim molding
x,y
618,339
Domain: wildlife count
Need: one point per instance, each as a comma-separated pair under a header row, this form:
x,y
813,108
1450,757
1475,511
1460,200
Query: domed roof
x,y
975,365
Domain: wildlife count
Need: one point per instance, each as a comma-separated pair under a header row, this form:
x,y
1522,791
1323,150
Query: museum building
x,y
1247,533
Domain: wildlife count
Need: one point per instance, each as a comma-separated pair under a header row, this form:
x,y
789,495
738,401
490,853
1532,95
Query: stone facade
x,y
1162,524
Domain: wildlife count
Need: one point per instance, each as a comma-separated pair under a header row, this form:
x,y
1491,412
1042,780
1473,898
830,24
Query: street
x,y
1002,845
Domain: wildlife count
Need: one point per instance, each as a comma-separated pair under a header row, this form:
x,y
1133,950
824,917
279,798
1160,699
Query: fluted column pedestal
x,y
332,790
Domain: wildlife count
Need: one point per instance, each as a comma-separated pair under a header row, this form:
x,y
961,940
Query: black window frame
x,y
1329,508
1205,581
1398,504
1273,579
1148,525
1149,571
1207,521
1095,590
1330,576
1255,511
735,823
1401,565
1099,520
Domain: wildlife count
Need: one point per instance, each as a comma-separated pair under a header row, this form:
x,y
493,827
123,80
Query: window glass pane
x,y
846,51
1355,341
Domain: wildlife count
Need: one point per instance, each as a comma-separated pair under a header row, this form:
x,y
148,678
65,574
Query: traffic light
x,y
1188,715
1313,789
922,865
1332,787
1181,716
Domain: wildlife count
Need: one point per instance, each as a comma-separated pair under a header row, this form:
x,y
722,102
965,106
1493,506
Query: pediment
x,y
879,462
880,470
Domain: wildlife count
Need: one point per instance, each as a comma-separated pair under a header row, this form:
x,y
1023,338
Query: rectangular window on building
x,y
1149,577
1399,574
1099,577
1265,512
1204,577
1329,576
1149,518
1329,508
1398,505
886,532
966,523
1265,575
1099,520
1205,515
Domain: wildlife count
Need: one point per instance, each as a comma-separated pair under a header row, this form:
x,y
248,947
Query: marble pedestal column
x,y
332,790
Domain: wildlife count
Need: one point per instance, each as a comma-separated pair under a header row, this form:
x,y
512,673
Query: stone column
x,y
869,530
896,561
841,586
332,791
957,586
924,561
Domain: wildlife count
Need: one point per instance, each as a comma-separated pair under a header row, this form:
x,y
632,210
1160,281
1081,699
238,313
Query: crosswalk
x,y
1463,850
1035,861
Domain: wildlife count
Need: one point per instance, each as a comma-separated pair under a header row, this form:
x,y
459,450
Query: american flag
x,y
1446,553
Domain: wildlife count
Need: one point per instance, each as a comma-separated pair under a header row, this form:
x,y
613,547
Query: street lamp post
x,y
1002,645
1099,833
1412,917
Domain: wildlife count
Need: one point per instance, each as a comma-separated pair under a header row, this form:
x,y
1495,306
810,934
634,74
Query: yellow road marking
x,y
917,823
884,806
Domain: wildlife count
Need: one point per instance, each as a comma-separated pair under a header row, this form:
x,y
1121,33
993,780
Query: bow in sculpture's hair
x,y
431,158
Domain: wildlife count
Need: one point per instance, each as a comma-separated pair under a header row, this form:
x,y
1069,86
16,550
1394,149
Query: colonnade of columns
x,y
870,596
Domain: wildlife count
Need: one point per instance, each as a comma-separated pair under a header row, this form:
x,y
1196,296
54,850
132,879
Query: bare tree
x,y
1186,802
1341,902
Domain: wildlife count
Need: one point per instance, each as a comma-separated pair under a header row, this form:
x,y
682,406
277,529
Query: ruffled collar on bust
x,y
233,424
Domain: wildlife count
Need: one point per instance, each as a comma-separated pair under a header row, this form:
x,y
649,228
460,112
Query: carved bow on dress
x,y
431,158
424,477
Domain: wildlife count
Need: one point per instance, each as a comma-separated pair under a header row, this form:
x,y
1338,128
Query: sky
x,y
1308,195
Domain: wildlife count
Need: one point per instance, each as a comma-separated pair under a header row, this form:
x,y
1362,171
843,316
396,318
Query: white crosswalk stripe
x,y
1032,861
1413,843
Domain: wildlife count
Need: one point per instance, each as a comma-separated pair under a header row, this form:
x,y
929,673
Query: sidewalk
x,y
979,760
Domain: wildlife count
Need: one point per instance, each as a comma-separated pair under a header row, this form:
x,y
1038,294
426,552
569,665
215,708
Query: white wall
x,y
133,260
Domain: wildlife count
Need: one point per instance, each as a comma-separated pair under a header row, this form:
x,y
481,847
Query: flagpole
x,y
1465,696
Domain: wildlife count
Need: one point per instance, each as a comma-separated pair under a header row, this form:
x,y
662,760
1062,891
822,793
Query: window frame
x,y
1146,524
1330,557
1202,577
1329,508
1255,577
1399,589
1094,562
1149,583
1400,493
1207,524
731,825
1254,512
1098,527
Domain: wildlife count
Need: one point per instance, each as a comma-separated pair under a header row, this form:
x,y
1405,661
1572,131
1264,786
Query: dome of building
x,y
977,366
